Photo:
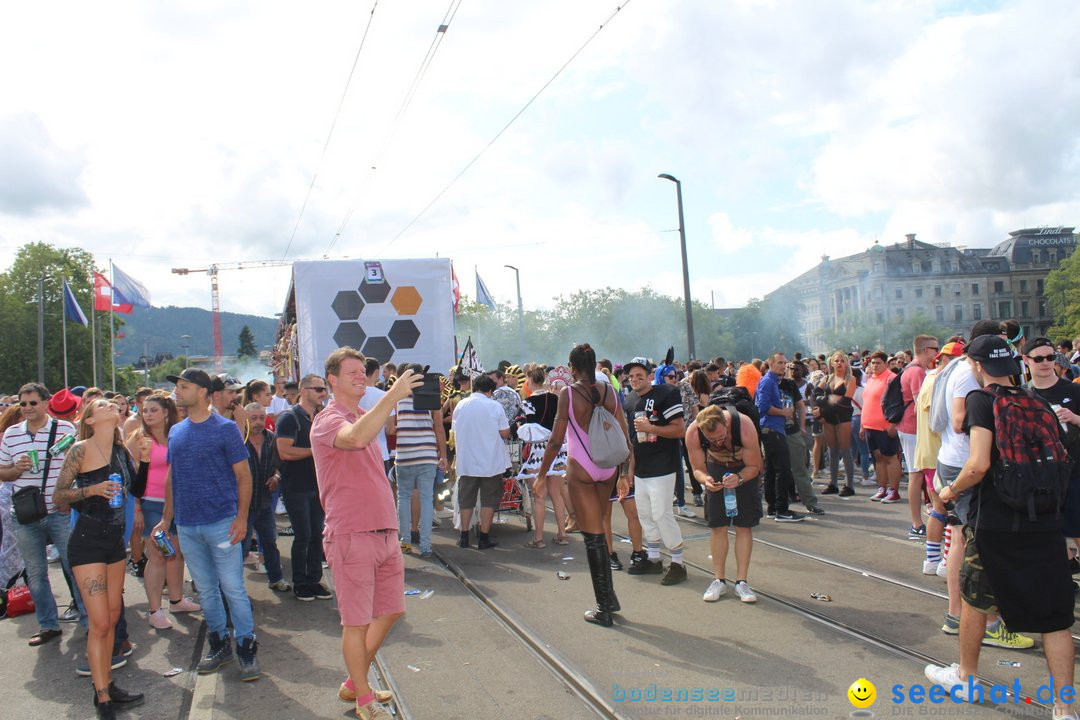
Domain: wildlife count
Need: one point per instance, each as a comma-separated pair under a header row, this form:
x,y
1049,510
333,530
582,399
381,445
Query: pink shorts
x,y
369,575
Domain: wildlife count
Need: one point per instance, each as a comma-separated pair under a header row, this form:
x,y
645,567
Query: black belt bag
x,y
29,502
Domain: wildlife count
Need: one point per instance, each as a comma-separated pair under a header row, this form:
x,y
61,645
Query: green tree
x,y
1063,294
19,312
247,344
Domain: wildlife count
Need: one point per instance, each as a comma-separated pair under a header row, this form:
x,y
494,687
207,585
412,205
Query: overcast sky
x,y
166,134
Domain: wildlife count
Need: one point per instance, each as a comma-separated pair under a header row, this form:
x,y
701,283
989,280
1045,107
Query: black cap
x,y
1038,343
994,354
192,375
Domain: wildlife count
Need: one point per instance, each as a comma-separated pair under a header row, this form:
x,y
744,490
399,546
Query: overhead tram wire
x,y
333,124
506,127
436,41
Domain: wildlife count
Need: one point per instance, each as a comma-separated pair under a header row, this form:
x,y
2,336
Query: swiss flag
x,y
103,296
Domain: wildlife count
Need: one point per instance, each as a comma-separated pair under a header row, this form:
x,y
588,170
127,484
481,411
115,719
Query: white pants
x,y
654,509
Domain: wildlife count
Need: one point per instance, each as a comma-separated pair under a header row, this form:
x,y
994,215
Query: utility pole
x,y
685,267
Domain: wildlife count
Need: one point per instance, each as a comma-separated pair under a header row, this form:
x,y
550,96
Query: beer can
x,y
33,455
117,500
61,445
161,539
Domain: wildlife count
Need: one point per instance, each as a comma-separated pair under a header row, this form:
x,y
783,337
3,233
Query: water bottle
x,y
117,500
731,505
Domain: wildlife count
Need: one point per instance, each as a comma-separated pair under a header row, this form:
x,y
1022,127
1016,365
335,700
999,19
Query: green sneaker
x,y
952,625
1002,638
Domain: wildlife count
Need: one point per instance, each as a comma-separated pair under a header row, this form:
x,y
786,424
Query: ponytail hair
x,y
253,388
583,359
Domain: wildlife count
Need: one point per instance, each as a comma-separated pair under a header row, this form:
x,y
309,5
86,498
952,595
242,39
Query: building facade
x,y
887,285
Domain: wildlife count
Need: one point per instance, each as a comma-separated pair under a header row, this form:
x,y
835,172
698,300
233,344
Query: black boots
x,y
600,571
118,700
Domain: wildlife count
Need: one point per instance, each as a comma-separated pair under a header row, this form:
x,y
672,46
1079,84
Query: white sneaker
x,y
51,553
686,512
159,620
716,590
930,567
743,591
260,569
948,678
280,509
942,569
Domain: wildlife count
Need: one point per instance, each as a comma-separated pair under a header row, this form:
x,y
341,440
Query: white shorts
x,y
907,445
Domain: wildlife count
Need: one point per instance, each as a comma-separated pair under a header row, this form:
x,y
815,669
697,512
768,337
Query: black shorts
x,y
1011,564
747,496
92,541
881,441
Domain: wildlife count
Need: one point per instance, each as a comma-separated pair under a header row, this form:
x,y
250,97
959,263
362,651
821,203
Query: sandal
x,y
43,636
561,540
536,544
571,523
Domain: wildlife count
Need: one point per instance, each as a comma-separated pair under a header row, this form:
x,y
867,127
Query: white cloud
x,y
185,135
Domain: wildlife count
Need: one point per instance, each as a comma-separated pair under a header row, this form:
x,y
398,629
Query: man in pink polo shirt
x,y
360,535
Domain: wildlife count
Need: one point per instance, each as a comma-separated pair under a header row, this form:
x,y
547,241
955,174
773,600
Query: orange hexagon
x,y
406,300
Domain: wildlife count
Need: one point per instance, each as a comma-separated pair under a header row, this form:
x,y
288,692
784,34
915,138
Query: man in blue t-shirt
x,y
209,490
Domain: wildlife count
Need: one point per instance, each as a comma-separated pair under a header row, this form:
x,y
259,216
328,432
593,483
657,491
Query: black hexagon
x,y
375,292
379,348
347,305
404,334
351,334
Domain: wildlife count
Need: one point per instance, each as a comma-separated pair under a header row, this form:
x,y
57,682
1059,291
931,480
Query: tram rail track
x,y
554,662
898,649
865,572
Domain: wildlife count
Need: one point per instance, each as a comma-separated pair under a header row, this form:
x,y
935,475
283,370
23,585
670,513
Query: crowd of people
x,y
190,478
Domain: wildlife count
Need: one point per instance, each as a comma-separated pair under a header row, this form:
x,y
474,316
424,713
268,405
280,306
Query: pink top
x,y
353,488
910,382
873,418
159,470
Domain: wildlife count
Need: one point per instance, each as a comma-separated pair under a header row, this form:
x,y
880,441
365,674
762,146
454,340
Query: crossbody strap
x,y
48,457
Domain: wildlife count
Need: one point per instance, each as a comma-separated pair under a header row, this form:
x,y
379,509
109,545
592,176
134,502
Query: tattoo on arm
x,y
72,461
94,585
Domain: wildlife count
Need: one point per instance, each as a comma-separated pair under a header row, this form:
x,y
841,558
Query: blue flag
x,y
482,295
72,311
127,290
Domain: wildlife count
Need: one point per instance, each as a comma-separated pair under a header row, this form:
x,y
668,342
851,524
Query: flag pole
x,y
93,343
63,326
112,325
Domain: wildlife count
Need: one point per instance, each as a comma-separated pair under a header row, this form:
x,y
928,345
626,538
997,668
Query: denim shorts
x,y
151,512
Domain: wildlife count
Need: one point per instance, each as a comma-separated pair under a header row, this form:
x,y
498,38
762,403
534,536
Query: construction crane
x,y
215,295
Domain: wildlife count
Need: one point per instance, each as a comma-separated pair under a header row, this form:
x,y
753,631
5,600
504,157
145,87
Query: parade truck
x,y
393,310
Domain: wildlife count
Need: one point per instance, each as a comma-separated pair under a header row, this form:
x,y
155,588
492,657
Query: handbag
x,y
29,502
17,598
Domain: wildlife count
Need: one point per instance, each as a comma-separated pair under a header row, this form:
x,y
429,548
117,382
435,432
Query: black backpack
x,y
739,398
892,402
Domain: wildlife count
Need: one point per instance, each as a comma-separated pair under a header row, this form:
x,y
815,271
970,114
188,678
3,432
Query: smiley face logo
x,y
862,693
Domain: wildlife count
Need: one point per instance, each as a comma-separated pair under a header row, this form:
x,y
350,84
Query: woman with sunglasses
x,y
96,547
836,411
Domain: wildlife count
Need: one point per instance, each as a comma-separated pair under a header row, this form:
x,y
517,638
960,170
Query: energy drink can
x,y
61,445
33,455
161,539
117,500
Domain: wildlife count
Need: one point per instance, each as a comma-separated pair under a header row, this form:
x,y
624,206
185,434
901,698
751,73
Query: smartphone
x,y
428,395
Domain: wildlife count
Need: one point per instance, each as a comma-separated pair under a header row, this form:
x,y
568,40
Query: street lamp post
x,y
685,267
521,316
